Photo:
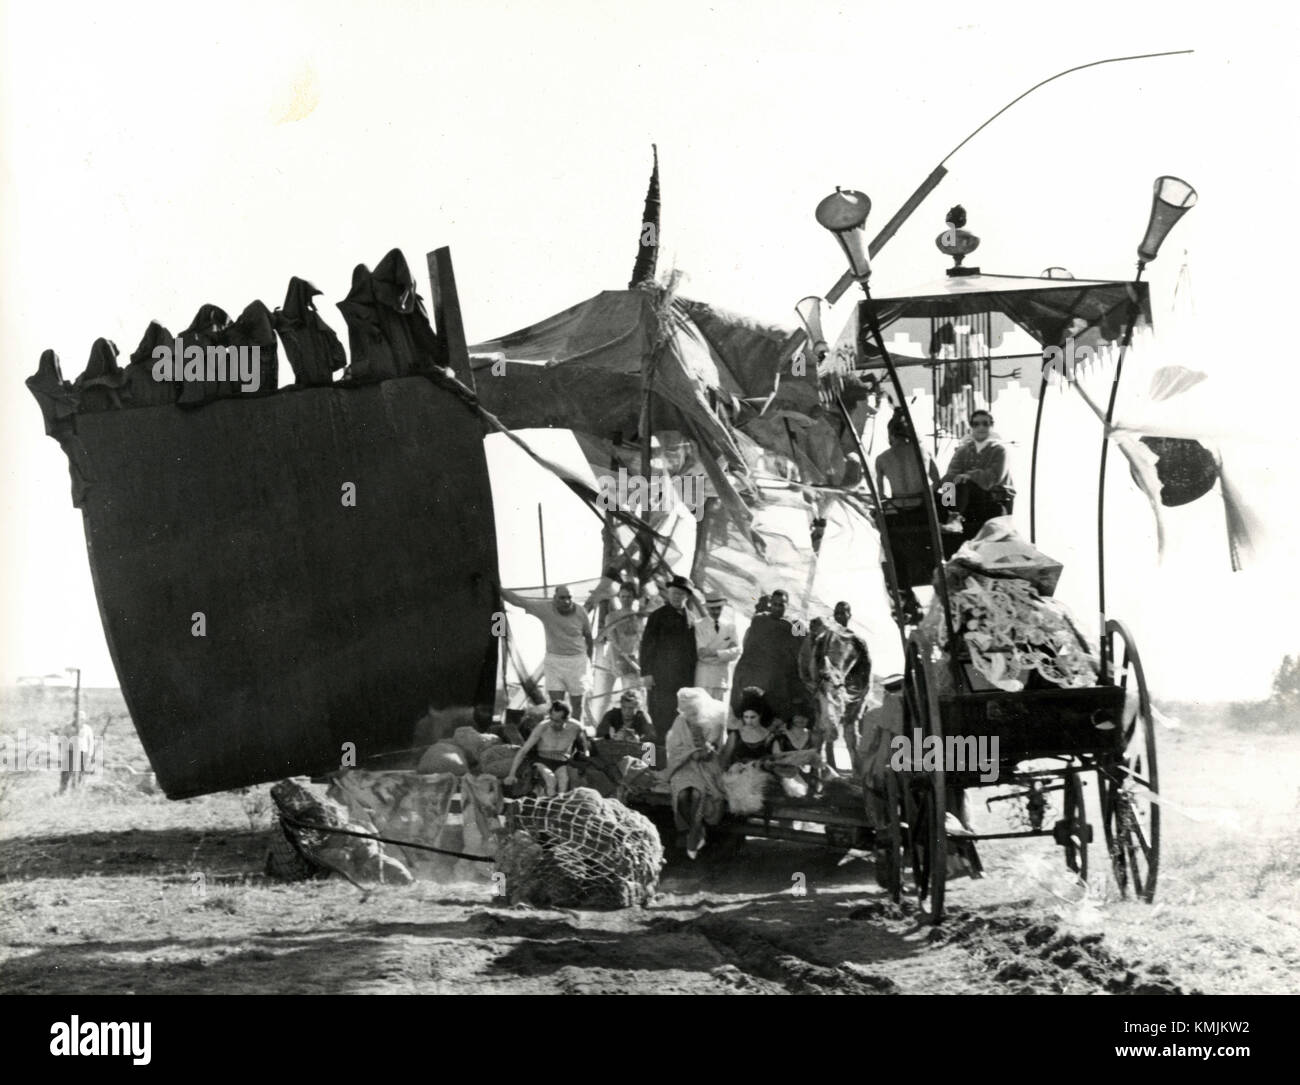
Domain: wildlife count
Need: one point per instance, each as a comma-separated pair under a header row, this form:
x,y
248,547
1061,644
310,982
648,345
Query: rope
x,y
383,840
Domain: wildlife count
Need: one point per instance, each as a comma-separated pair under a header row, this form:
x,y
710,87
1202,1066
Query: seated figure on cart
x,y
977,485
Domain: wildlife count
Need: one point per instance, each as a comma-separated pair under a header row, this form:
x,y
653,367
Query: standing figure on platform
x,y
843,667
618,662
717,648
770,659
568,644
668,653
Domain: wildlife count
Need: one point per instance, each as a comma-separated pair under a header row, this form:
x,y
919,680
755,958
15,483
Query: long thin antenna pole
x,y
940,171
1058,75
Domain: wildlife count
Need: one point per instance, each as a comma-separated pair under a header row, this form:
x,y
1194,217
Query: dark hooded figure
x,y
402,316
58,403
142,390
312,347
251,329
369,356
207,329
389,334
668,654
98,387
55,397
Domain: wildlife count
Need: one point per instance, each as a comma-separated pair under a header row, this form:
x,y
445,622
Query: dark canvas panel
x,y
324,624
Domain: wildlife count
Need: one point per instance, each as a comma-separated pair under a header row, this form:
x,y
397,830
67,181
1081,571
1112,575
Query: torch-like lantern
x,y
809,311
1172,199
845,213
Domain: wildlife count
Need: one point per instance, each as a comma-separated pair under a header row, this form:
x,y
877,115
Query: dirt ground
x,y
116,890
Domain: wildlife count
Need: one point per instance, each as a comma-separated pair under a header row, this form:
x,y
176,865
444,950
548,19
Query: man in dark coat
x,y
668,654
770,660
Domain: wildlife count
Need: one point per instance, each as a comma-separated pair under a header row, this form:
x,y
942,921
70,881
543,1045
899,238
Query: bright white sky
x,y
149,165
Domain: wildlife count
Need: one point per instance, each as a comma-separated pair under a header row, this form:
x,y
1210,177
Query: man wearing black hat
x,y
668,654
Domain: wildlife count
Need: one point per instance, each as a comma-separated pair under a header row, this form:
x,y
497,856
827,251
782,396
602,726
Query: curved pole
x,y
1033,460
932,513
1043,83
891,574
1101,481
940,171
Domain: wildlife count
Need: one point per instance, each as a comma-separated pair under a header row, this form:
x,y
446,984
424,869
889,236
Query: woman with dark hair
x,y
748,784
750,733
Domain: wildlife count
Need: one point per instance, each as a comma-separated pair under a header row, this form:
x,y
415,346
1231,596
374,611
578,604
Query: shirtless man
x,y
554,741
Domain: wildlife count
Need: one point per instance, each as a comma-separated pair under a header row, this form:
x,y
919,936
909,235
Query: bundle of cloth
x,y
1000,589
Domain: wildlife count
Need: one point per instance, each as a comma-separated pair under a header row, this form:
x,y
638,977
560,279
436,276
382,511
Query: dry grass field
x,y
114,889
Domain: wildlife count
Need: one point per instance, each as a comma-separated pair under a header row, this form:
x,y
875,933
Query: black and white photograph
x,y
685,498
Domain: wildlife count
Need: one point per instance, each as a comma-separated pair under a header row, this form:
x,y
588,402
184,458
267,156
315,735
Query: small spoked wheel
x,y
1130,818
1074,827
924,808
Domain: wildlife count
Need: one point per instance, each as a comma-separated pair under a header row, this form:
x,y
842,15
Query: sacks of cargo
x,y
454,813
496,760
473,743
443,757
354,857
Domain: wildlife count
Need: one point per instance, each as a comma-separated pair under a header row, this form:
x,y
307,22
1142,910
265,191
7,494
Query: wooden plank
x,y
446,315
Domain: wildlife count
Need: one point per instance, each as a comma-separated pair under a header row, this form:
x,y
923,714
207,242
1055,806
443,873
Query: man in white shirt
x,y
717,647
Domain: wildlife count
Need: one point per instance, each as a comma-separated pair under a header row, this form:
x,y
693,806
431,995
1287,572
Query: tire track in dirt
x,y
1030,955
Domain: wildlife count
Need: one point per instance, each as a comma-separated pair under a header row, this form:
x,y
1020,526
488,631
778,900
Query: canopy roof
x,y
1042,307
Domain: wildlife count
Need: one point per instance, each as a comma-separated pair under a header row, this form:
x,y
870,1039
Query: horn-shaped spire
x,y
647,256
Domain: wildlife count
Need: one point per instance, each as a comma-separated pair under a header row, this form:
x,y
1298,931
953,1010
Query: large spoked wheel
x,y
924,807
1129,817
1074,827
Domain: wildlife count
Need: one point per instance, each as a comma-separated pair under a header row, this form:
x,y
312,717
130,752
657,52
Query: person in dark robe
x,y
402,316
98,388
312,347
207,329
58,402
769,659
141,390
253,328
668,653
55,397
369,356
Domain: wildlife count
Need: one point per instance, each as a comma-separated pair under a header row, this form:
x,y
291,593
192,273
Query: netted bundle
x,y
578,850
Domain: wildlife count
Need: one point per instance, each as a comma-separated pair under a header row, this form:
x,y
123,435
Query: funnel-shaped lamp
x,y
1172,199
844,213
809,311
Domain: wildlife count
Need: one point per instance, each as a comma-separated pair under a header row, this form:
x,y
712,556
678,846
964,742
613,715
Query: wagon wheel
x,y
924,806
1074,824
1129,818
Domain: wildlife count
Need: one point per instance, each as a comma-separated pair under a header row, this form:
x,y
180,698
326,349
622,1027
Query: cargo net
x,y
578,850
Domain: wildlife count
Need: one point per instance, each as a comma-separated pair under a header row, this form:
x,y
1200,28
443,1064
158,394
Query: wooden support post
x,y
446,316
